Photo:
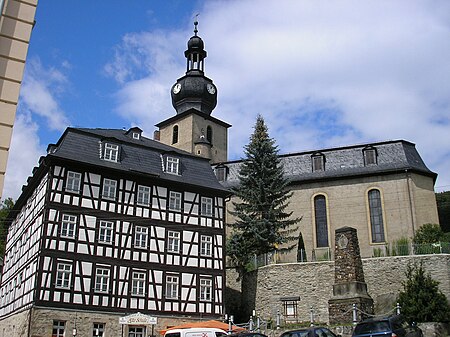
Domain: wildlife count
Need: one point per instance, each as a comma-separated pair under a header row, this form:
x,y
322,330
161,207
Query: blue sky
x,y
322,74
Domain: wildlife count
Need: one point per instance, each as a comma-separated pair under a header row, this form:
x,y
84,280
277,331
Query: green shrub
x,y
421,300
400,247
428,233
377,252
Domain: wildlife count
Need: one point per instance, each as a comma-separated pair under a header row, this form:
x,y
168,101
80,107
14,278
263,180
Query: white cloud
x,y
24,154
38,99
39,92
321,73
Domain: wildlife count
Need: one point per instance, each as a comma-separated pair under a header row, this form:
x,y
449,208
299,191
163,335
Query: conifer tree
x,y
262,222
421,300
5,206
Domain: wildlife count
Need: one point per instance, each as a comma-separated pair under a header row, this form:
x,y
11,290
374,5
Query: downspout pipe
x,y
411,210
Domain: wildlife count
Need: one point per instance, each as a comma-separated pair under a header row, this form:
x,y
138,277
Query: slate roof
x,y
344,162
140,156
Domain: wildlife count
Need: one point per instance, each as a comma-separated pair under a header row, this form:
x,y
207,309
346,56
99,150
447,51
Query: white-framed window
x,y
140,237
205,289
173,242
73,182
109,188
136,135
205,245
58,328
171,287
138,283
143,195
98,329
105,231
63,275
172,165
102,280
136,331
206,206
68,226
111,152
175,201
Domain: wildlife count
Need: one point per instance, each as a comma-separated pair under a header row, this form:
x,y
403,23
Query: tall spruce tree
x,y
262,222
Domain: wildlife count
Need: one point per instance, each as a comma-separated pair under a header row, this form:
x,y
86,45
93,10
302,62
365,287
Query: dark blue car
x,y
392,326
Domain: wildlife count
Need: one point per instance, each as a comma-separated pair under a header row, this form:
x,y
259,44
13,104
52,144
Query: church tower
x,y
194,96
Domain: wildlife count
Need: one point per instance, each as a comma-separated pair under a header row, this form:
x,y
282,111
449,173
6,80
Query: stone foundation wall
x,y
313,282
15,325
41,324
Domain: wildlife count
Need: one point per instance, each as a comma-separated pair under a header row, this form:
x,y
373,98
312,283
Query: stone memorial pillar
x,y
349,286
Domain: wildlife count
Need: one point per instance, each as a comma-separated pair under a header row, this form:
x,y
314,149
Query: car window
x,y
370,327
172,334
301,333
325,333
220,334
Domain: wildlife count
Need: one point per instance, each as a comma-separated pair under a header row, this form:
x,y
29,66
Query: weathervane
x,y
196,24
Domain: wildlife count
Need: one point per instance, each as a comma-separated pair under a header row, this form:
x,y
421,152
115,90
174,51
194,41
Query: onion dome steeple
x,y
194,90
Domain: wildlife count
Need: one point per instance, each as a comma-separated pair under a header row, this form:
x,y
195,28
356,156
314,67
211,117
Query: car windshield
x,y
370,327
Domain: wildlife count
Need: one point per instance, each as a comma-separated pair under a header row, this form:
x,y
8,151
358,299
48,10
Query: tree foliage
x,y
443,206
262,222
430,233
421,300
5,207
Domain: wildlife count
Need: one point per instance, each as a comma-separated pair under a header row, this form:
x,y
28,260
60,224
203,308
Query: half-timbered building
x,y
113,222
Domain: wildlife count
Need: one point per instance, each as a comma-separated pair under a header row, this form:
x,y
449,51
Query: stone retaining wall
x,y
313,281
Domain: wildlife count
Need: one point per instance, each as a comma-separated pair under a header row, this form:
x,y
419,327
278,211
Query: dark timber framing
x,y
36,247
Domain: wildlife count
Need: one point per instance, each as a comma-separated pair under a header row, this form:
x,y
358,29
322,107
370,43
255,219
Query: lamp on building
x,y
74,332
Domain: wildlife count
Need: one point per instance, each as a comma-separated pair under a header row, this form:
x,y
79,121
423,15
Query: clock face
x,y
211,89
176,89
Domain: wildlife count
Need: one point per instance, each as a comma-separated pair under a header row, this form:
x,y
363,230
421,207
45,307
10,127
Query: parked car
x,y
392,326
195,332
314,331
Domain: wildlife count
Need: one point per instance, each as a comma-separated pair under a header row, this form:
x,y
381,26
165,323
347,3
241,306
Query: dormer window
x,y
111,152
134,133
172,165
221,173
318,162
370,156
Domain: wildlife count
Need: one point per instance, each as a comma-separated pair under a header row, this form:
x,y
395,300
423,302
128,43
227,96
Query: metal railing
x,y
325,254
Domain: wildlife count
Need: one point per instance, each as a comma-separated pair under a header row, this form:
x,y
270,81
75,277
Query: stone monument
x,y
349,286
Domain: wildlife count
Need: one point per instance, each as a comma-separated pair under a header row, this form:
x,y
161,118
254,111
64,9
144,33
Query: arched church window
x,y
376,216
320,216
209,134
175,134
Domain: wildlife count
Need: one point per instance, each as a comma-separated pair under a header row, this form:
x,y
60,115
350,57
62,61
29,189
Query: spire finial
x,y
196,24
